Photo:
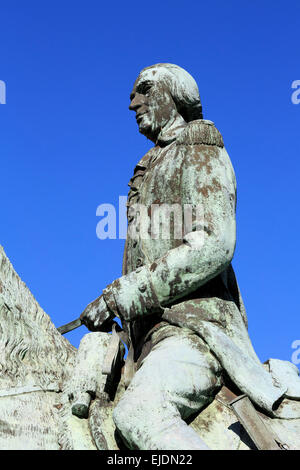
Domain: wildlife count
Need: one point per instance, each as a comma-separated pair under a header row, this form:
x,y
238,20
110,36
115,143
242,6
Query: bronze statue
x,y
178,298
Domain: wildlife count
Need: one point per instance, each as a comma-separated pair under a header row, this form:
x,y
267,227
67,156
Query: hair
x,y
182,86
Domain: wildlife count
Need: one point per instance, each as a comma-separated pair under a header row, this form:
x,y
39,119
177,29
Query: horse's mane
x,y
31,349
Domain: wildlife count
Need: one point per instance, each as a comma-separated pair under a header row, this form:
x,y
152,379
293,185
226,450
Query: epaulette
x,y
200,131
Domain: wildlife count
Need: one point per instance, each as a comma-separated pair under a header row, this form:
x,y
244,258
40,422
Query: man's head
x,y
160,93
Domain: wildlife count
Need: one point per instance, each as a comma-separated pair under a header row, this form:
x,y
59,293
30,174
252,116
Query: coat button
x,y
139,262
134,243
142,288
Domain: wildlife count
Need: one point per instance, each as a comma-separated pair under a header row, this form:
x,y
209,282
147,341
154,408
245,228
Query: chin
x,y
145,130
148,135
148,132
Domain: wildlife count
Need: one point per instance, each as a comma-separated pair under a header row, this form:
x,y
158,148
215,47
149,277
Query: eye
x,y
144,88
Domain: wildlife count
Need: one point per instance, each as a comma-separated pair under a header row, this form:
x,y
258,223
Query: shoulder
x,y
199,132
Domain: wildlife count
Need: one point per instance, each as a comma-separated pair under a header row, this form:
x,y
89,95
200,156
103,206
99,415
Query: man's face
x,y
153,104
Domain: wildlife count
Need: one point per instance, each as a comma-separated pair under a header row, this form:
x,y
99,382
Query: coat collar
x,y
170,133
166,137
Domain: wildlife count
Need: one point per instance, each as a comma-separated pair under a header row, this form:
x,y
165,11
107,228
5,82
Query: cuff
x,y
133,295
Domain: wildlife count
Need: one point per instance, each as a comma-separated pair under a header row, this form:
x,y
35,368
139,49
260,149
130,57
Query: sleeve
x,y
208,187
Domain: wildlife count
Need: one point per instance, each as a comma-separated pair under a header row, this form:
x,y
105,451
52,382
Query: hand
x,y
97,317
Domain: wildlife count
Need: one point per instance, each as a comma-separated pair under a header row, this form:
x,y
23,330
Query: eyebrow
x,y
139,87
144,83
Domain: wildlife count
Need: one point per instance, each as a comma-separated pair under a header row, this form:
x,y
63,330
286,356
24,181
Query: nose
x,y
136,102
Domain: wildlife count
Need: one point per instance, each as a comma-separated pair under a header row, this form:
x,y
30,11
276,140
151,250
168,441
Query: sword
x,y
263,438
72,325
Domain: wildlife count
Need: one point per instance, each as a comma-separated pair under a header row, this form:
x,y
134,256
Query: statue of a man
x,y
178,297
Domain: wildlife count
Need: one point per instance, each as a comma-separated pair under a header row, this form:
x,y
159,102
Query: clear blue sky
x,y
69,142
